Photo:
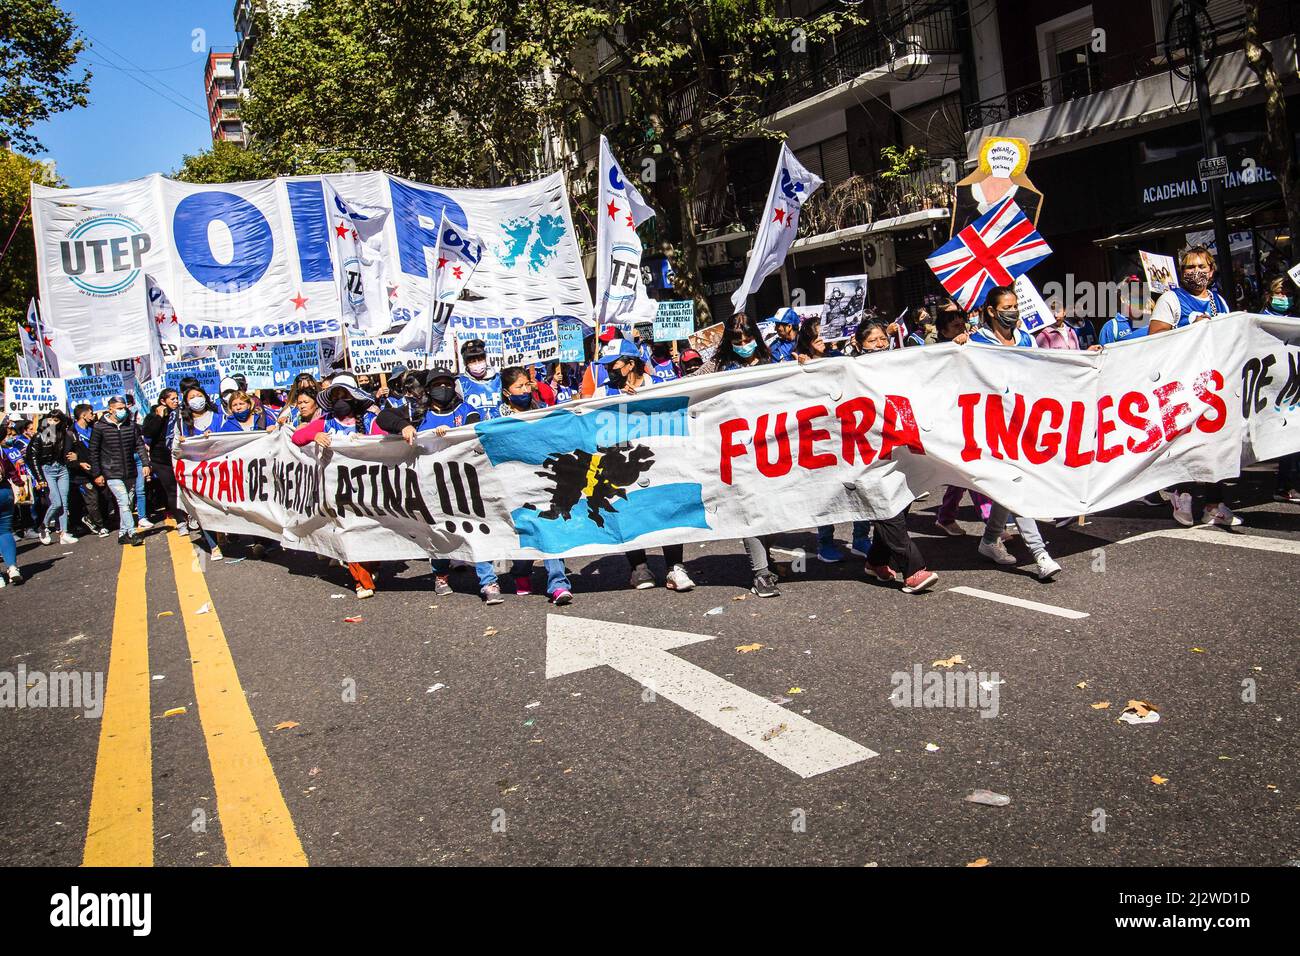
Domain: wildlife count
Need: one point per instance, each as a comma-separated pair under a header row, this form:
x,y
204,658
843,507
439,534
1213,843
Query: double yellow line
x,y
255,820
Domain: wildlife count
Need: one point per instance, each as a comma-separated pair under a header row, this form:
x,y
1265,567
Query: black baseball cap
x,y
473,347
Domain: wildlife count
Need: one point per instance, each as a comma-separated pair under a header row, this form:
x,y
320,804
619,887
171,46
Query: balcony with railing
x,y
1119,89
860,200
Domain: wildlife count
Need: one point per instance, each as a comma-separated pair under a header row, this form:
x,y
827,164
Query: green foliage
x,y
38,59
901,162
223,163
18,268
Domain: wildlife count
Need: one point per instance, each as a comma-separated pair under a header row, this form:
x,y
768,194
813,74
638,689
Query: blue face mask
x,y
243,416
744,351
1281,303
120,414
521,401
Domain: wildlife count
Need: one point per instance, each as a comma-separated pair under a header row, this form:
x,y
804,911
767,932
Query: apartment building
x,y
223,98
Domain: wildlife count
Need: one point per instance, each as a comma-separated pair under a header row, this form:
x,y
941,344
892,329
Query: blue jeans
x,y
141,499
125,520
8,546
483,569
861,534
556,578
57,481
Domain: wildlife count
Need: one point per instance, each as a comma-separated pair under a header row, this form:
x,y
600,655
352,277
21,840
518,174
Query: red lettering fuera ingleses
x,y
1002,426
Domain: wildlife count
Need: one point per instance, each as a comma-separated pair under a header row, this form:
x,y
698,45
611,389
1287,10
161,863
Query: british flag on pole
x,y
991,251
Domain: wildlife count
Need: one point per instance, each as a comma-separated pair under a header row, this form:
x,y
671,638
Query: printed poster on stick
x,y
674,320
93,390
34,396
539,342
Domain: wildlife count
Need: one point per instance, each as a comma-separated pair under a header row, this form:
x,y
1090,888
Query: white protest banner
x,y
674,320
1034,312
287,361
456,257
1161,273
539,342
620,210
572,348
251,261
791,187
33,396
255,366
93,390
1045,432
1270,389
357,235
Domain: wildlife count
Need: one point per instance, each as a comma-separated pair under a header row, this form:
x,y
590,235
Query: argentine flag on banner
x,y
605,476
790,189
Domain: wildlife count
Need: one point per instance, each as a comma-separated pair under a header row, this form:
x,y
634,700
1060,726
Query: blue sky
x,y
130,130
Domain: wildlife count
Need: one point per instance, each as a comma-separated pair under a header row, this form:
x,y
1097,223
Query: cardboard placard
x,y
1161,272
93,390
539,342
674,320
287,361
1034,312
572,347
206,371
255,366
34,396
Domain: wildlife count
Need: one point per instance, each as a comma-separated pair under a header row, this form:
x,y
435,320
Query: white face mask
x,y
197,404
477,368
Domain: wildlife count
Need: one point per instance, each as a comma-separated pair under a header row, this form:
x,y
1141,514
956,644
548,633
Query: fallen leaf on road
x,y
775,731
982,861
1158,780
353,620
1198,650
725,709
747,648
740,597
285,725
313,771
1082,684
489,632
434,688
166,613
1139,707
1100,705
795,690
204,609
174,712
713,610
949,662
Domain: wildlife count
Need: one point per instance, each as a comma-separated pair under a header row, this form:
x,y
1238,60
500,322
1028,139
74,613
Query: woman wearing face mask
x,y
1002,318
1277,300
810,345
661,364
742,346
556,388
244,417
198,417
480,386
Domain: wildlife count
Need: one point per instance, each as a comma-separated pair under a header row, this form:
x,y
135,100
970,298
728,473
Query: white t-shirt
x,y
1169,309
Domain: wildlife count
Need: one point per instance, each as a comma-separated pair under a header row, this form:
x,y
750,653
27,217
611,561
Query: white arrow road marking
x,y
1210,535
575,644
1021,602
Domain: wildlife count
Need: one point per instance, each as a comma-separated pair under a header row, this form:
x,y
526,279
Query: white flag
x,y
456,256
357,240
791,187
31,357
51,348
619,290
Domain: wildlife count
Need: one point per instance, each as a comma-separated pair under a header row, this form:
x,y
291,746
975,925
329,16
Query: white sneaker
x,y
1047,568
15,576
143,524
102,532
364,592
216,554
45,536
678,579
1221,515
1182,503
997,551
66,538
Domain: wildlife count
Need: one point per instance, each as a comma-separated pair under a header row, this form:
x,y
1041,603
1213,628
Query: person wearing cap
x,y
690,360
625,370
429,402
594,377
787,335
347,411
479,385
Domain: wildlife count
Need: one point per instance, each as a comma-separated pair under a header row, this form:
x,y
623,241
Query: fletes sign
x,y
252,262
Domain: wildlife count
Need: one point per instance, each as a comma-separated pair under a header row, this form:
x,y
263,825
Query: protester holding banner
x,y
47,458
787,334
11,481
160,431
429,402
115,443
625,370
810,345
950,326
244,417
595,374
1276,299
198,416
479,385
1192,300
1002,327
83,420
1125,323
289,415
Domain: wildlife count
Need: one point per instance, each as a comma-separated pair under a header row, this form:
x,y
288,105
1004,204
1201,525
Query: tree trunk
x,y
1278,148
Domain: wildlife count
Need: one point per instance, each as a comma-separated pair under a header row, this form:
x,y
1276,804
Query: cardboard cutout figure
x,y
1001,172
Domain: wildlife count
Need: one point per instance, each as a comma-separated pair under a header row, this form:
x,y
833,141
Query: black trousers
x,y
166,479
673,554
892,545
89,495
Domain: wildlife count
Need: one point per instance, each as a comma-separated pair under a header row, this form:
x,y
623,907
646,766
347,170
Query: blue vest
x,y
1023,339
1120,328
1189,305
453,419
362,427
782,351
484,395
650,379
563,393
665,372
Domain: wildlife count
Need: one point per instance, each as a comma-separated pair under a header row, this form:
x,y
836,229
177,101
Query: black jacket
x,y
113,448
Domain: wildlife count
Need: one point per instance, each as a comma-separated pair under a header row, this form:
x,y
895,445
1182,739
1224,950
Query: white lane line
x,y
1209,535
1021,602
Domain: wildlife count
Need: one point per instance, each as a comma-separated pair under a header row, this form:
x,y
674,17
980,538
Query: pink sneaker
x,y
882,571
922,580
523,584
561,597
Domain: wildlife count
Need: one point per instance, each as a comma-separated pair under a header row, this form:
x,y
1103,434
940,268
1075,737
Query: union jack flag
x,y
992,251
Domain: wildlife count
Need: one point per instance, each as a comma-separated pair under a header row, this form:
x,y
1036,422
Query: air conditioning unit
x,y
878,256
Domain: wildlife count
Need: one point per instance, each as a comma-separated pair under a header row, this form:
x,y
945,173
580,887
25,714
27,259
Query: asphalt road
x,y
501,765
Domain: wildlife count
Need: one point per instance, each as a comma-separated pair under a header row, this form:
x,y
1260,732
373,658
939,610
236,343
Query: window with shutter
x,y
835,160
810,157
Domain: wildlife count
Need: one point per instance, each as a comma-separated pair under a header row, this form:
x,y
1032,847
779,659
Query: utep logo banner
x,y
252,262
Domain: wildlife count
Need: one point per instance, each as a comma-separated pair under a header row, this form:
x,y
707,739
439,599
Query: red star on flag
x,y
778,215
612,208
298,302
160,318
341,230
455,270
175,321
392,292
630,222
49,343
441,262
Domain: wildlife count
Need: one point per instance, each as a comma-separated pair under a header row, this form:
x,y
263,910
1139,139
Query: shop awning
x,y
1187,222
